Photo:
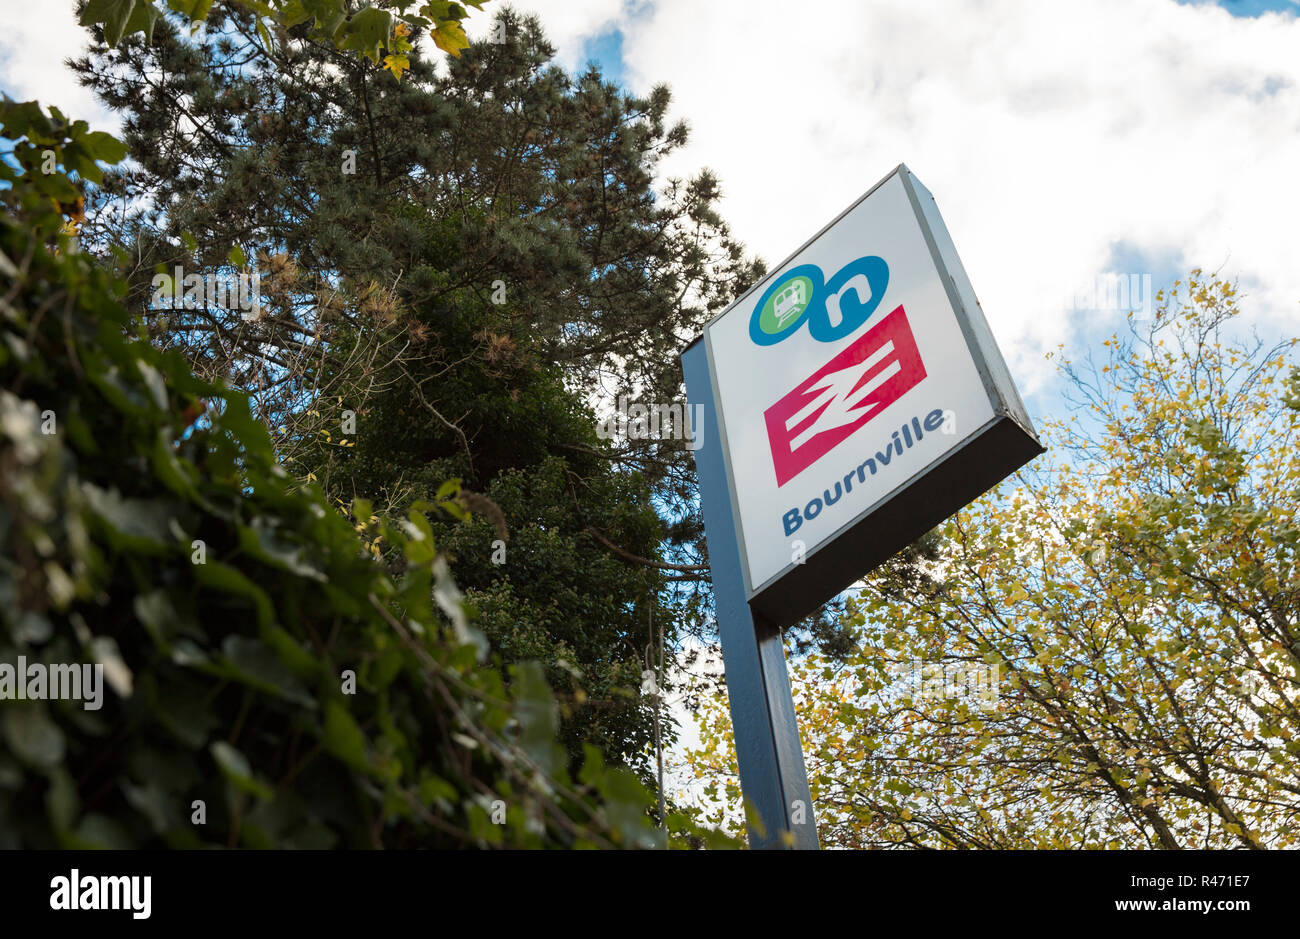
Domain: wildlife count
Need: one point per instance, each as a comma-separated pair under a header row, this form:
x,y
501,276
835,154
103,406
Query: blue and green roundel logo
x,y
833,309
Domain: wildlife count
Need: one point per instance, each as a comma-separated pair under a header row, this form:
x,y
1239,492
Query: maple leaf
x,y
397,64
450,38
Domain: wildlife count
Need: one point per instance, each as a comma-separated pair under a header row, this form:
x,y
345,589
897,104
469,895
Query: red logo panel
x,y
843,395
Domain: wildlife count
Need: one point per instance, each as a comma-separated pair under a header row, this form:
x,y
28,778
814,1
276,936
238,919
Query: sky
x,y
1063,141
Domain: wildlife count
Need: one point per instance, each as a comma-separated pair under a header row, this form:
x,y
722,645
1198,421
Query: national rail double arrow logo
x,y
858,383
842,396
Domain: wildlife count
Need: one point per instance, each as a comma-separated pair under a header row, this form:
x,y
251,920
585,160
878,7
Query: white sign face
x,y
840,378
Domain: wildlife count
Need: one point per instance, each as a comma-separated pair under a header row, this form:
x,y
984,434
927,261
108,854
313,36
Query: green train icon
x,y
789,302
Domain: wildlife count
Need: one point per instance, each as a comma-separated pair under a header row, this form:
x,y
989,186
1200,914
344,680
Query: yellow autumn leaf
x,y
450,38
397,64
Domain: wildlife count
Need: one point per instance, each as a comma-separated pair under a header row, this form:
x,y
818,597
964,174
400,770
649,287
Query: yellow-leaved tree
x,y
1105,651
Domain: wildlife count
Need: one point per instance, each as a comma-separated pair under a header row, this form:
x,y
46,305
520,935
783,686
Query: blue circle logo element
x,y
833,309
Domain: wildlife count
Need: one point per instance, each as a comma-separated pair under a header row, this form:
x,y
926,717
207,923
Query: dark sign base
x,y
993,454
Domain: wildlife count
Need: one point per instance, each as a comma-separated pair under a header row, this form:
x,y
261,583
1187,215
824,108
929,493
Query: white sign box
x,y
861,399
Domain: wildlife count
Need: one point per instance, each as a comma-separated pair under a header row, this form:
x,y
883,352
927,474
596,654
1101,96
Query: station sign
x,y
861,400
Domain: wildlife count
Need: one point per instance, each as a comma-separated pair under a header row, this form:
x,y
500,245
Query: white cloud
x,y
1048,132
38,36
568,25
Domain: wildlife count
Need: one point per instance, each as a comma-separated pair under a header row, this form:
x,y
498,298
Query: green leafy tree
x,y
496,262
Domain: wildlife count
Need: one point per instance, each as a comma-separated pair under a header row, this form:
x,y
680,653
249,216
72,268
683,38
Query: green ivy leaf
x,y
227,579
367,32
343,737
329,14
235,767
253,663
111,15
138,522
32,736
194,9
538,716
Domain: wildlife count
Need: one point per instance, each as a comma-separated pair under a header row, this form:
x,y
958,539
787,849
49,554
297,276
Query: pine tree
x,y
463,266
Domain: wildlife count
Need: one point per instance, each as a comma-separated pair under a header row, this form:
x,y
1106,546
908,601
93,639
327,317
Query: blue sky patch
x,y
1249,8
606,50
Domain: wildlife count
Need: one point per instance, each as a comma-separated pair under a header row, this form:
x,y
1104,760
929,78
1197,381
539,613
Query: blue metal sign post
x,y
768,751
